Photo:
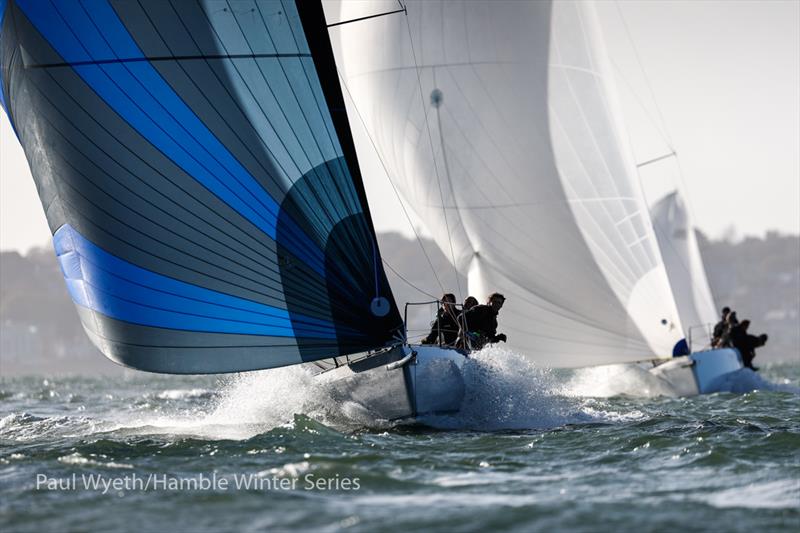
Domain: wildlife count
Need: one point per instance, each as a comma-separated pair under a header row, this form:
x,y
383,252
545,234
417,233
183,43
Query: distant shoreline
x,y
40,333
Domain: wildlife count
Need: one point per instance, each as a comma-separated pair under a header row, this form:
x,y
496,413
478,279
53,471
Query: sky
x,y
717,81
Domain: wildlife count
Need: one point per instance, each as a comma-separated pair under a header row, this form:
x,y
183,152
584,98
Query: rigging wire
x,y
401,10
410,284
396,193
433,152
662,130
641,67
663,134
655,160
449,182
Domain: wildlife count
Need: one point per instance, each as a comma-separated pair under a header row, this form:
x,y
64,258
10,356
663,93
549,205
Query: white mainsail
x,y
497,123
687,276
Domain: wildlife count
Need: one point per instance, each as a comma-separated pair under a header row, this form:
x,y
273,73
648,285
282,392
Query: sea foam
x,y
503,391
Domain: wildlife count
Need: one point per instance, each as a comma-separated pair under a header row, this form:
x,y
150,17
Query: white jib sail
x,y
497,123
687,275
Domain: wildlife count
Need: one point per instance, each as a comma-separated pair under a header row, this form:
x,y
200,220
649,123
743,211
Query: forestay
x,y
497,122
197,169
684,264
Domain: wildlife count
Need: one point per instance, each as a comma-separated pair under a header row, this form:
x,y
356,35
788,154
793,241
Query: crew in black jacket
x,y
481,322
444,329
719,329
746,343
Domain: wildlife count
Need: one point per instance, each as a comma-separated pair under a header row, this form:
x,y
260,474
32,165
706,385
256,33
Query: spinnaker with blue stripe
x,y
197,169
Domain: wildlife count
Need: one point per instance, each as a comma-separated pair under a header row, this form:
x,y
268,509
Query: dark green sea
x,y
532,450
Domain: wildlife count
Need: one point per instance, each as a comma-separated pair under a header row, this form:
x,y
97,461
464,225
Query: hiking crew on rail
x,y
730,333
472,328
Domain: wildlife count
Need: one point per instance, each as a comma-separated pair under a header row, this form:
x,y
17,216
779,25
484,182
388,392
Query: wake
x,y
503,391
745,380
635,381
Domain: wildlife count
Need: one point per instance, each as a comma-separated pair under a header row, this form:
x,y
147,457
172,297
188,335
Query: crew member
x,y
719,328
469,303
730,323
746,343
481,322
444,329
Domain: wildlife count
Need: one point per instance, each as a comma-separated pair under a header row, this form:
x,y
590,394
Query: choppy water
x,y
533,449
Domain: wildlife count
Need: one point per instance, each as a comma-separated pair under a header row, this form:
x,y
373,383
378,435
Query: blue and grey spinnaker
x,y
197,169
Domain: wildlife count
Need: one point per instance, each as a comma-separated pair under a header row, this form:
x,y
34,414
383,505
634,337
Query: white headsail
x,y
684,264
497,123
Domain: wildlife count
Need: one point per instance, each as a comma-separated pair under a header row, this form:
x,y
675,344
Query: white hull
x,y
411,382
699,373
406,382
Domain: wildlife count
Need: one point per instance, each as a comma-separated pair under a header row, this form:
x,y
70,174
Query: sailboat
x,y
197,168
499,124
703,369
198,172
677,241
